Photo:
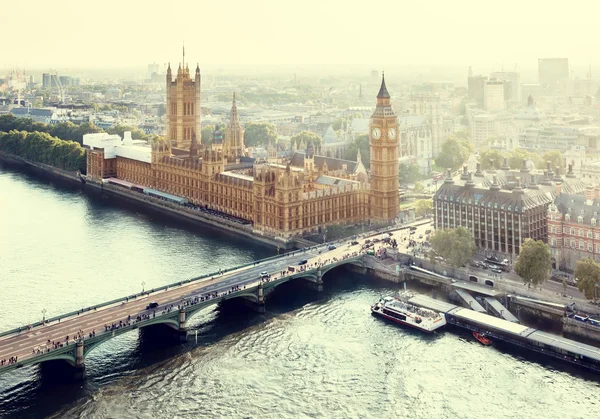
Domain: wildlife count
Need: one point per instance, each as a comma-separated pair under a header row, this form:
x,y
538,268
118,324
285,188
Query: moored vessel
x,y
407,314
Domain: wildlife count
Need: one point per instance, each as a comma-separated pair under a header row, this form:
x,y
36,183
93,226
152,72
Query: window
x,y
581,245
553,242
580,232
567,217
590,247
593,220
580,219
572,231
572,243
553,229
589,234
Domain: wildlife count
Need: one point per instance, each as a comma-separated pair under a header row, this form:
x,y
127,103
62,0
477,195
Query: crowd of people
x,y
80,335
9,361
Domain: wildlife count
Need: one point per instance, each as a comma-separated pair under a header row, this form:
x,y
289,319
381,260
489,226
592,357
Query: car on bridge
x,y
264,274
152,305
331,247
303,262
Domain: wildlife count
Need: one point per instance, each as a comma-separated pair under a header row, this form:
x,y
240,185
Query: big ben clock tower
x,y
383,140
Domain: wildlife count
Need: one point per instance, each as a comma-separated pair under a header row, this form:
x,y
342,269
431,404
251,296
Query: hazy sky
x,y
109,33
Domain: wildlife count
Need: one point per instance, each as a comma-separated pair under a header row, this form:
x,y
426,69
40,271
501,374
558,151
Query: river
x,y
310,355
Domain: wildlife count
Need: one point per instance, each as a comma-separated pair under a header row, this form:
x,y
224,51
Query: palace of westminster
x,y
283,197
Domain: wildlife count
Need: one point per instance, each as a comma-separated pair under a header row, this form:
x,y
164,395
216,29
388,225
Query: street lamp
x,y
143,285
44,311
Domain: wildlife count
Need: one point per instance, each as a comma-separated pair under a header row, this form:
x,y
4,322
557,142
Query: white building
x,y
493,96
114,146
491,126
514,79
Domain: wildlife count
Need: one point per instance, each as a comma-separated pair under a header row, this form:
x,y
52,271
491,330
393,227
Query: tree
x,y
454,245
259,133
408,172
486,156
423,207
453,154
361,142
136,133
534,262
419,188
207,134
555,158
587,273
338,124
516,157
306,137
43,148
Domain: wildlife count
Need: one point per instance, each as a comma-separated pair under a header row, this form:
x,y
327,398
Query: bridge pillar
x,y
79,364
260,303
182,332
319,280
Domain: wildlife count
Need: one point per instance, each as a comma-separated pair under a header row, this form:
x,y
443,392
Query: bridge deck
x,y
34,344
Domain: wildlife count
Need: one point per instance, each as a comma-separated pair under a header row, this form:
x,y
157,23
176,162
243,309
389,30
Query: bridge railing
x,y
140,294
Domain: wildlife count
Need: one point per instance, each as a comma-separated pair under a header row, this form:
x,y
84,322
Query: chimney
x,y
465,173
127,140
597,191
448,178
558,189
478,171
589,193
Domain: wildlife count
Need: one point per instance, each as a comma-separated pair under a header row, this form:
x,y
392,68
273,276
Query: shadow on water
x,y
102,208
45,389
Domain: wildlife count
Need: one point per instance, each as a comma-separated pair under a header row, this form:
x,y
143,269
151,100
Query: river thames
x,y
310,355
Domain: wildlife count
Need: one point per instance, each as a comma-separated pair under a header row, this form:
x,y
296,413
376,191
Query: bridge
x,y
72,336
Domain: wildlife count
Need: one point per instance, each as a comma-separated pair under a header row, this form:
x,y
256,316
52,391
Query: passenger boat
x,y
409,315
482,339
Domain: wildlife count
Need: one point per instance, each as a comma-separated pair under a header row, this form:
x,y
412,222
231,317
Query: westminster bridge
x,y
72,336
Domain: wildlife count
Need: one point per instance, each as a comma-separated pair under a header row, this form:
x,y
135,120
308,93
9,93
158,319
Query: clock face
x,y
376,133
392,133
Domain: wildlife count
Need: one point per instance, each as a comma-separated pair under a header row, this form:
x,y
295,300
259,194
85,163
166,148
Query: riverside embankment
x,y
149,204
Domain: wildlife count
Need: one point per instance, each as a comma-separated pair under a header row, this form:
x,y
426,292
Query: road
x,y
25,344
549,289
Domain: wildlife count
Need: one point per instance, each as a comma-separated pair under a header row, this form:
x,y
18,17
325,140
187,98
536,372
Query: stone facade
x,y
282,197
383,140
183,107
574,228
501,208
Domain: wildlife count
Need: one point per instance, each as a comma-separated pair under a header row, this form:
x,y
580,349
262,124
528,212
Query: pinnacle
x,y
383,93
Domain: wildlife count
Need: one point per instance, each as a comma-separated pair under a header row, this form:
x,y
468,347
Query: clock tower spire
x,y
383,141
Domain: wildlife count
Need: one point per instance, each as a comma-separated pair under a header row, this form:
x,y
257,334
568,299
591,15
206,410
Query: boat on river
x,y
482,338
404,313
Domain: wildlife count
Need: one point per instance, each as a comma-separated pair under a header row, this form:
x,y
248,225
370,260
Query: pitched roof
x,y
330,136
576,206
297,160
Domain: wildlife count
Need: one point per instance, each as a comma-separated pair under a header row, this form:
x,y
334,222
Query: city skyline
x,y
267,33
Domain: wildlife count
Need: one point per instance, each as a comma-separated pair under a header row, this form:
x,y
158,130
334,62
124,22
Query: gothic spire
x,y
383,93
233,117
194,146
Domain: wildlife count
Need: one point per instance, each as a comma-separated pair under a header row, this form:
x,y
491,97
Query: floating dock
x,y
516,334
